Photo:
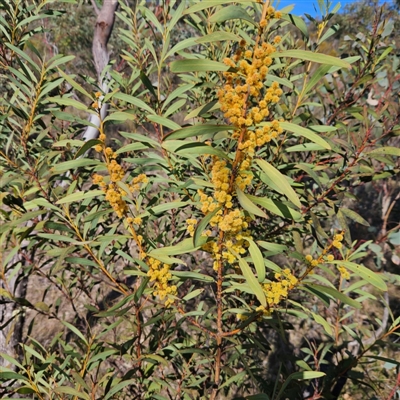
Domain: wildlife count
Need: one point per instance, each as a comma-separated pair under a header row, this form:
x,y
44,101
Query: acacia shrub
x,y
178,259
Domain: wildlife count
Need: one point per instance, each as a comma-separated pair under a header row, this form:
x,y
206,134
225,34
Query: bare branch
x,y
96,9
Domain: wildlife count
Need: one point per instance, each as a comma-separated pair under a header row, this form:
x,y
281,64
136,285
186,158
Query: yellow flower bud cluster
x,y
114,194
97,103
344,273
191,223
337,241
245,86
325,257
137,182
237,243
220,177
136,220
233,221
278,290
160,275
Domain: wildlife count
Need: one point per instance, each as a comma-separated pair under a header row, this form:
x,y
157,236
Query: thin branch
x,y
96,9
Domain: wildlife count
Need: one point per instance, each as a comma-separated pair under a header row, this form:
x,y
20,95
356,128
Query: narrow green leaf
x,y
323,322
117,388
343,224
193,294
58,60
71,391
199,149
257,259
176,16
203,4
121,116
305,147
231,12
77,196
198,130
75,84
132,147
178,92
307,133
197,65
251,280
183,44
274,247
317,226
308,168
49,86
304,375
218,36
280,180
313,57
6,375
24,55
42,202
203,109
162,208
134,101
335,294
103,355
164,121
175,107
146,81
354,216
248,205
88,145
277,207
393,151
316,76
192,275
157,358
76,331
56,238
12,360
298,22
66,101
73,164
235,379
371,277
111,311
183,247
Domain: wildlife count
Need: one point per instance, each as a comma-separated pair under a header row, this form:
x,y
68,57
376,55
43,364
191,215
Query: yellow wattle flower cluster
x,y
325,257
246,103
191,223
160,275
114,193
344,273
337,241
236,243
244,100
276,291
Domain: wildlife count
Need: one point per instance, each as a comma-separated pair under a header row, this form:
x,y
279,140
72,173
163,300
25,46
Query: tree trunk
x,y
102,32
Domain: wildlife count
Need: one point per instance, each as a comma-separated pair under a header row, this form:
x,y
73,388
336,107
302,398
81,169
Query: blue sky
x,y
306,6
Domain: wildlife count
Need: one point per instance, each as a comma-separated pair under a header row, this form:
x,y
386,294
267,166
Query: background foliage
x,y
186,253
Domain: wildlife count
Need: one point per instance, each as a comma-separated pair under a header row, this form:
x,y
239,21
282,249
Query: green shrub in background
x,y
202,246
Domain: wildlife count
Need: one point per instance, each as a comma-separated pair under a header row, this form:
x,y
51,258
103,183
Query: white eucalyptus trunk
x,y
104,25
